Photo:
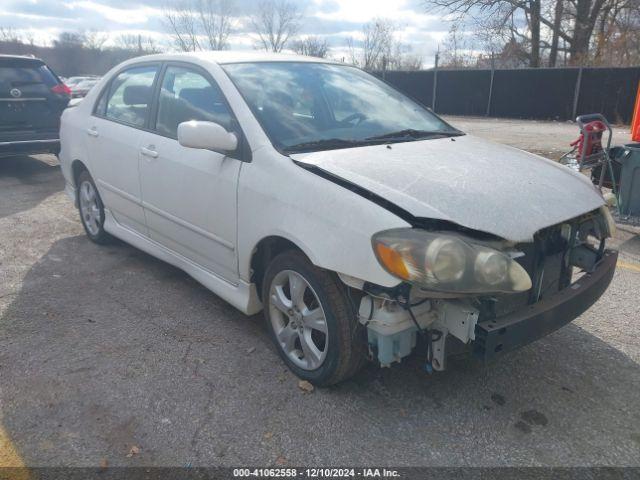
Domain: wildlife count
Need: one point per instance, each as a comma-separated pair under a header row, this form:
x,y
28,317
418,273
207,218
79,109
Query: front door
x,y
189,195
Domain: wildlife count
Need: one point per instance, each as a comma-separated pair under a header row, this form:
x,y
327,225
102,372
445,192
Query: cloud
x,y
335,20
139,15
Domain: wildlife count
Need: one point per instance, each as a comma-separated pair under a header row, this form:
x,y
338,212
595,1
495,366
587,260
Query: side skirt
x,y
243,296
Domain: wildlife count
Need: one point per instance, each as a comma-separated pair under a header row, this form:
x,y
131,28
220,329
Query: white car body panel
x,y
189,199
241,295
471,182
113,154
206,213
201,233
330,224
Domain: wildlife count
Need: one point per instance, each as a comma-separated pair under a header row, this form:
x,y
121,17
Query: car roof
x,y
231,56
21,58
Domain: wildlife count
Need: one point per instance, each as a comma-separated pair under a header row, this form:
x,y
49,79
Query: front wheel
x,y
312,321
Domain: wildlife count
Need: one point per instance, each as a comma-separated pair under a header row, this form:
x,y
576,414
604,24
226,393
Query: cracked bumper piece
x,y
522,327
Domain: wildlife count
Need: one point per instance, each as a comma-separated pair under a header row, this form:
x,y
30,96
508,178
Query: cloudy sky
x,y
336,20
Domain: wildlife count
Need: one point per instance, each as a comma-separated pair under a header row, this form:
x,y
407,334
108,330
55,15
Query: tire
x,y
91,209
296,327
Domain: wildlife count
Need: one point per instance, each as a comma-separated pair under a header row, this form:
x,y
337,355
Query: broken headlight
x,y
448,263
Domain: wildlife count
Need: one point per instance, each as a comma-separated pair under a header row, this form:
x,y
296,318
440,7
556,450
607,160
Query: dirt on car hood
x,y
465,180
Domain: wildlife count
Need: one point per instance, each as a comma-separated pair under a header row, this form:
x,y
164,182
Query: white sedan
x,y
362,224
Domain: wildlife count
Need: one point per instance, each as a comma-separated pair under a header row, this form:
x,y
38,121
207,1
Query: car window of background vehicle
x,y
29,74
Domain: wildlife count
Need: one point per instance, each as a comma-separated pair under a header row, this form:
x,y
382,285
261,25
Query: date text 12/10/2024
x,y
315,473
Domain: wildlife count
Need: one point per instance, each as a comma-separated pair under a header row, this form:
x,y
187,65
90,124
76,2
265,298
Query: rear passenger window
x,y
187,95
130,95
19,74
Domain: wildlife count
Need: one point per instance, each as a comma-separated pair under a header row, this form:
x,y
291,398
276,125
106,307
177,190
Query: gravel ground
x,y
105,348
549,139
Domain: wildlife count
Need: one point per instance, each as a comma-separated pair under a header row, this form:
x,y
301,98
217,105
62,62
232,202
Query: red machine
x,y
616,168
590,140
588,151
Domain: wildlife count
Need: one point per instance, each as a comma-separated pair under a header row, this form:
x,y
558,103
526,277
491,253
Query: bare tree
x,y
181,21
455,50
379,48
94,40
374,50
403,58
275,22
558,12
378,41
137,43
311,47
618,35
70,40
540,26
216,21
8,34
200,24
68,55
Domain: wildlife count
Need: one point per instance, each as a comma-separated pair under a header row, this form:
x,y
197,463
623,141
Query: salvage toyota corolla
x,y
361,223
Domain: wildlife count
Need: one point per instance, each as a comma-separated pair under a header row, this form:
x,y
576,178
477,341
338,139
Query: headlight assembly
x,y
448,263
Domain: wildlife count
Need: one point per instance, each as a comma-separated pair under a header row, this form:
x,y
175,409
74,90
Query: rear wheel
x,y
91,209
311,320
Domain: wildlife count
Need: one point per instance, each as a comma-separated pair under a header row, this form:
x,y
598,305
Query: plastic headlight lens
x,y
448,262
446,258
491,267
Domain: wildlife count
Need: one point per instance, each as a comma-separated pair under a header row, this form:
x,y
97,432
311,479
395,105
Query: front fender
x,y
332,225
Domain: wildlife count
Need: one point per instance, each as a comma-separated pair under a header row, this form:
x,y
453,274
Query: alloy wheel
x,y
298,320
89,208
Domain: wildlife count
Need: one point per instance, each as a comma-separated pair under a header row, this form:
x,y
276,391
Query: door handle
x,y
92,132
149,152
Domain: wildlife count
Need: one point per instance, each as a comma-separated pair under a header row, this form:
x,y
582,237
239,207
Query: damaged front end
x,y
494,294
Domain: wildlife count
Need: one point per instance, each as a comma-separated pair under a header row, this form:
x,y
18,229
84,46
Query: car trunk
x,y
29,109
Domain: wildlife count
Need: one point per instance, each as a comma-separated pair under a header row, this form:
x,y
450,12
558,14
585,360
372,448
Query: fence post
x,y
493,71
435,82
576,94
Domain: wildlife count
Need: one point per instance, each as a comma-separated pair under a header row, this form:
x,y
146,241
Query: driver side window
x,y
187,95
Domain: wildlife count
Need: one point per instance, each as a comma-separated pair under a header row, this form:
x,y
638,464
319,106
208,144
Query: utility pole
x,y
435,80
576,93
493,71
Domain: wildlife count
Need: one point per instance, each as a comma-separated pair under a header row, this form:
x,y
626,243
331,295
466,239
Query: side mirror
x,y
207,136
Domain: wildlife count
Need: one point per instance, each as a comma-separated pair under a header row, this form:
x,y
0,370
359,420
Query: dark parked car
x,y
32,98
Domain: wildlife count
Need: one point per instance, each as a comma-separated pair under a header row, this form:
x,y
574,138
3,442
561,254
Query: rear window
x,y
20,74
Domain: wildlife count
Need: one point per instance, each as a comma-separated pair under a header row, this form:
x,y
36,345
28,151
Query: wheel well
x,y
266,250
76,168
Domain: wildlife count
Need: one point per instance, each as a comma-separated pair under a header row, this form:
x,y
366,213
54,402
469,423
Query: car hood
x,y
474,183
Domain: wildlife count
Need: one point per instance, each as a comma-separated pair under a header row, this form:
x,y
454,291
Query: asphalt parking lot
x,y
103,349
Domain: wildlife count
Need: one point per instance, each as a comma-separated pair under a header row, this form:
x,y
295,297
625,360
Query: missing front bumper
x,y
520,328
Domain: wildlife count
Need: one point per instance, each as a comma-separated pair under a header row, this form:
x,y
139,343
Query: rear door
x,y
114,133
29,108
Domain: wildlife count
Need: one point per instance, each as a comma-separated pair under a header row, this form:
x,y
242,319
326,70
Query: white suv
x,y
364,225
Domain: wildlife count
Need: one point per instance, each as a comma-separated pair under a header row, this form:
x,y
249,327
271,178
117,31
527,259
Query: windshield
x,y
315,106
